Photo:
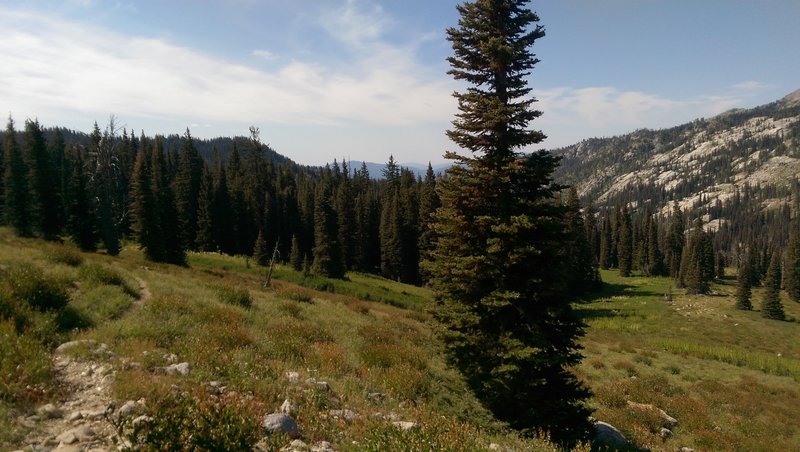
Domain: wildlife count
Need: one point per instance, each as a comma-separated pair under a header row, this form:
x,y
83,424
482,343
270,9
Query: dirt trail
x,y
82,420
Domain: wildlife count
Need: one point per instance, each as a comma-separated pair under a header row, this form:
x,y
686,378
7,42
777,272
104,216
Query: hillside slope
x,y
697,163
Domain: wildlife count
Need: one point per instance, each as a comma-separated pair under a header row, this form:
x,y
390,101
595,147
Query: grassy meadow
x,y
729,377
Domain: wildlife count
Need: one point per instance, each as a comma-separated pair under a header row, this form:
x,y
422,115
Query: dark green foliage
x,y
675,242
771,306
144,209
582,274
606,244
204,240
260,252
327,252
697,262
188,182
295,257
18,196
792,283
104,181
743,282
625,242
499,268
654,264
81,225
46,202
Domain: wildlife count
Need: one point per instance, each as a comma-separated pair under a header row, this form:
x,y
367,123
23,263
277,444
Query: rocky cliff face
x,y
697,164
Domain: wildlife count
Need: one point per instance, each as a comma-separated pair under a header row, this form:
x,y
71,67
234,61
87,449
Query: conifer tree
x,y
145,222
188,182
204,241
43,181
655,260
792,284
675,241
295,256
625,243
327,254
498,268
18,195
606,244
743,292
173,251
582,273
105,179
80,218
260,252
771,306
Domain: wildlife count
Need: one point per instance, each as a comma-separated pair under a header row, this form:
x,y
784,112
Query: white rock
x,y
49,411
608,435
288,407
296,446
280,422
323,446
63,348
127,409
405,425
347,415
293,377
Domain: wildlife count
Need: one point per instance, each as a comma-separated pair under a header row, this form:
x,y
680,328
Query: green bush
x,y
28,284
183,421
65,255
24,366
236,296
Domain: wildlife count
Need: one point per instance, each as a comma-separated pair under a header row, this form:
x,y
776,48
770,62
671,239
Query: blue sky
x,y
363,79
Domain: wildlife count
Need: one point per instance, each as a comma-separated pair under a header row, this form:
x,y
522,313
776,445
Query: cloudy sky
x,y
363,79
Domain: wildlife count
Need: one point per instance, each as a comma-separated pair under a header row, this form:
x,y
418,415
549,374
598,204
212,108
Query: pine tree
x,y
625,243
80,218
173,251
296,257
327,254
743,292
260,252
104,179
675,242
582,273
46,207
188,182
655,260
428,203
498,268
204,241
146,223
793,263
18,194
606,244
771,306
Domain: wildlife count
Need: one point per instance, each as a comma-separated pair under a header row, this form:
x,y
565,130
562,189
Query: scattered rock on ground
x,y
66,346
296,446
347,415
665,433
293,377
288,407
281,422
49,411
608,435
376,397
323,446
667,420
405,425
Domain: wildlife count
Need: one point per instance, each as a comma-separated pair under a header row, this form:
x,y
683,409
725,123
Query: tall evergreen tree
x,y
743,292
47,209
655,260
792,283
260,252
771,306
104,178
498,268
204,240
327,253
146,223
18,195
606,244
188,181
581,273
625,242
296,256
675,241
81,226
173,250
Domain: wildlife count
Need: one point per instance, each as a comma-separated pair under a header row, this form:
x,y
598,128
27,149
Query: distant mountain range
x,y
698,164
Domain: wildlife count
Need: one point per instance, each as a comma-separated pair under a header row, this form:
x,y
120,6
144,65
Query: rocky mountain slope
x,y
697,164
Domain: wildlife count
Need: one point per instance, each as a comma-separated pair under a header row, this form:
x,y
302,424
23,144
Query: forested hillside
x,y
234,195
708,194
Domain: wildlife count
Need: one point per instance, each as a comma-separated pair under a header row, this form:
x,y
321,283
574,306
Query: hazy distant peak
x,y
792,99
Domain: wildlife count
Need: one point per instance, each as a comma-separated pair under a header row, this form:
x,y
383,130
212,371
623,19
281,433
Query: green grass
x,y
728,376
717,370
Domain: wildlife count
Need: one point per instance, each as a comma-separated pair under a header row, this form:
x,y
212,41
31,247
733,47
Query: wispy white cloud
x,y
750,85
264,54
64,65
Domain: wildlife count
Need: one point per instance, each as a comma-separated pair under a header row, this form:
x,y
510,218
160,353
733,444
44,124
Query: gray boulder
x,y
667,420
281,422
606,434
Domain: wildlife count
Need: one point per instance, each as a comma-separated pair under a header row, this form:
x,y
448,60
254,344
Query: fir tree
x,y
655,260
582,273
498,268
260,252
18,195
42,178
80,218
743,292
104,179
295,256
606,244
771,306
145,222
327,254
792,284
173,251
675,242
188,182
625,243
204,241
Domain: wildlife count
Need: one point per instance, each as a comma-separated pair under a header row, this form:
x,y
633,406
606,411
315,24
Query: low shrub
x,y
236,296
28,284
199,421
24,366
65,255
